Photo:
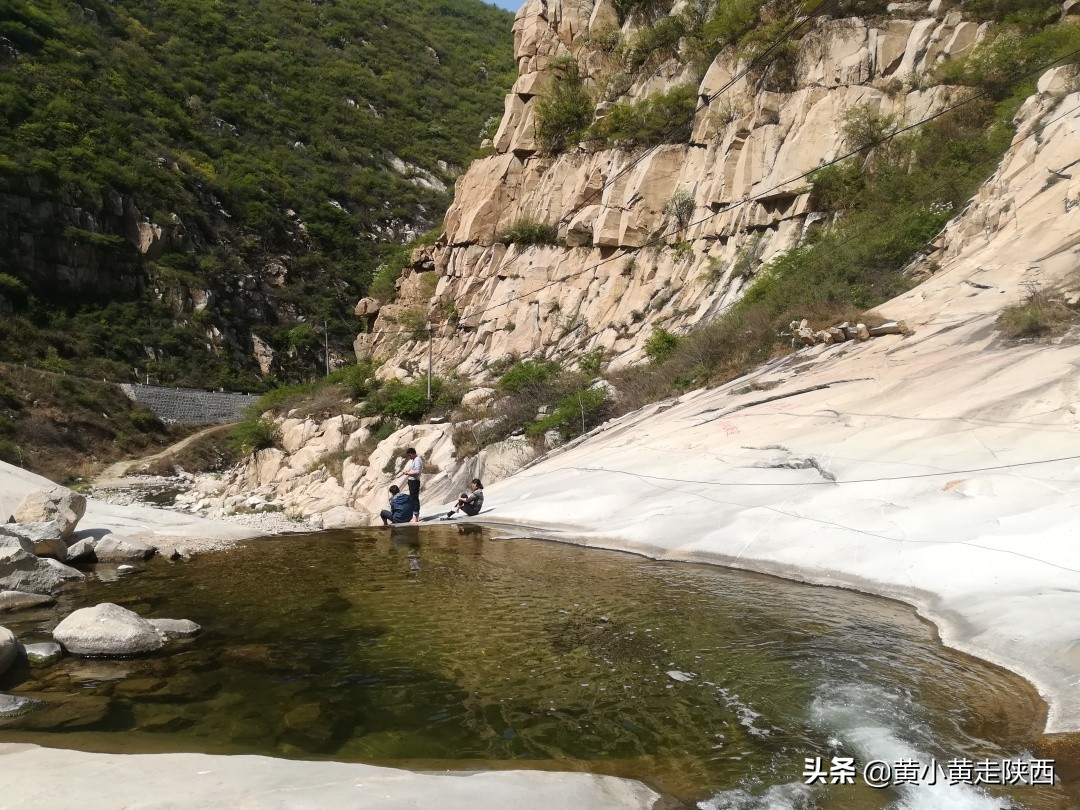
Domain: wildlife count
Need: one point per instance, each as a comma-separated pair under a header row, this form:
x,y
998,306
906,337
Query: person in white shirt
x,y
414,468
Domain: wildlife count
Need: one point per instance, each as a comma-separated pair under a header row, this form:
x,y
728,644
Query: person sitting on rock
x,y
400,510
470,502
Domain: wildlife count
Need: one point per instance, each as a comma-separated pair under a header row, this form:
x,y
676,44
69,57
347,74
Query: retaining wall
x,y
190,406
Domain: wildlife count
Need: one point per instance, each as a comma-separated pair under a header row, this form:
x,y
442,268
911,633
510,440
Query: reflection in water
x,y
438,647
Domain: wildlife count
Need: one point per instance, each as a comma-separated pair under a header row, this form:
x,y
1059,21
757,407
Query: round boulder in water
x,y
9,648
107,631
43,654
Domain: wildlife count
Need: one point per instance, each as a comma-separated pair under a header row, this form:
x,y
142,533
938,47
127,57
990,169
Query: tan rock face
x,y
623,266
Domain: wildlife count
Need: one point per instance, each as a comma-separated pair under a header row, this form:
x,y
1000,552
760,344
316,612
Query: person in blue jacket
x,y
401,508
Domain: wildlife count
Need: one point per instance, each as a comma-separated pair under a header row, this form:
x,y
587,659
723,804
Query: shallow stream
x,y
443,648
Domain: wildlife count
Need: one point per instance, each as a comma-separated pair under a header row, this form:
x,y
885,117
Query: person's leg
x,y
461,499
472,510
414,497
386,517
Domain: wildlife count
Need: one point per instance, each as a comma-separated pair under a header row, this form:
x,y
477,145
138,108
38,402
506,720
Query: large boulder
x,y
52,503
15,550
82,550
21,570
118,548
43,654
9,649
344,517
107,631
11,601
46,537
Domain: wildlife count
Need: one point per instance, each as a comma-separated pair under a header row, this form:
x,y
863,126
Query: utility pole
x,y
429,362
326,346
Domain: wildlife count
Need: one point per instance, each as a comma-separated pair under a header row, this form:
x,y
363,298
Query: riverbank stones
x,y
117,548
22,570
82,551
107,631
39,575
45,537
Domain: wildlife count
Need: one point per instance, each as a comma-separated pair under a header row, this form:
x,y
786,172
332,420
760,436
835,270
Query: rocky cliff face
x,y
622,264
318,474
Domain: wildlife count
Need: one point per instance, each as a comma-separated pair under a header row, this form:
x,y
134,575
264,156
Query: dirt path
x,y
115,474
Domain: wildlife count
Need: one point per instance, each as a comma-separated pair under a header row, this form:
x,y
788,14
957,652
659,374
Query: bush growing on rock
x,y
1041,315
660,345
529,232
563,113
665,117
254,434
409,401
527,375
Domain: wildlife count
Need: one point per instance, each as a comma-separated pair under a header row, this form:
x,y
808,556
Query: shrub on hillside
x,y
642,10
1041,315
563,113
660,345
409,401
655,43
529,232
666,117
526,375
14,291
254,434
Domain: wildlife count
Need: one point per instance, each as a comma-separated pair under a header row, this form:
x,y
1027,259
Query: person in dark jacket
x,y
470,502
401,508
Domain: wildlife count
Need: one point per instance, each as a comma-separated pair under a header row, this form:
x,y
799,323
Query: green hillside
x,y
177,174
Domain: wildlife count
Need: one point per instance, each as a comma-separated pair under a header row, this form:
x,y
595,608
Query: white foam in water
x,y
867,721
778,797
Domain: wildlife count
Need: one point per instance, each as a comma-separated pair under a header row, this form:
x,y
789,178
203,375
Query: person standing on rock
x,y
414,468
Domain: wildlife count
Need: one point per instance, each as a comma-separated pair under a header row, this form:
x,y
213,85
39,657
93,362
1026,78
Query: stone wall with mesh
x,y
191,406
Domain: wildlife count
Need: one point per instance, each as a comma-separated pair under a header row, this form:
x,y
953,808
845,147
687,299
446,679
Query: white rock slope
x,y
940,467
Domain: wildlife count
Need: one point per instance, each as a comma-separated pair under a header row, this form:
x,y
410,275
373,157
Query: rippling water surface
x,y
439,648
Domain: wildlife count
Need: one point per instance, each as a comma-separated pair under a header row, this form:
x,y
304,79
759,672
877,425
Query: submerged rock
x,y
106,631
681,677
42,711
12,601
175,628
